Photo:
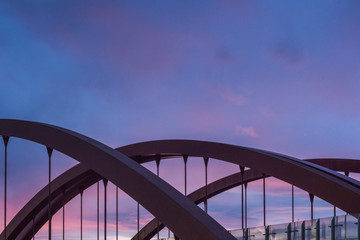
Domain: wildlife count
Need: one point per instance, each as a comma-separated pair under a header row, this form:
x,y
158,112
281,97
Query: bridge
x,y
100,164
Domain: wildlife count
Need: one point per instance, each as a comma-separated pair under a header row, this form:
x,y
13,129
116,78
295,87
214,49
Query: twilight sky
x,y
276,75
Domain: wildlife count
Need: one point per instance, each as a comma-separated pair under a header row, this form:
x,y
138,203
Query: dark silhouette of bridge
x,y
172,209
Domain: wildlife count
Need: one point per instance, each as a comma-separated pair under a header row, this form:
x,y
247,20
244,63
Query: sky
x,y
279,75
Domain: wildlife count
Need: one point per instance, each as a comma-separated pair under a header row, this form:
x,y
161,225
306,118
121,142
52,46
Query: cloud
x,y
289,53
245,131
230,96
266,112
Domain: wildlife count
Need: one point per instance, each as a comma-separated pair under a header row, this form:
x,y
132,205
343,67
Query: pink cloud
x,y
245,131
290,53
230,96
266,112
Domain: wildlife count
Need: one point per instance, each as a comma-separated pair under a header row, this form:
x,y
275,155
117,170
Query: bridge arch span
x,y
305,175
69,184
344,192
157,196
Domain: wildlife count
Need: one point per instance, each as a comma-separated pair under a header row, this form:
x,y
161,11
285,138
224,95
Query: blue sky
x,y
276,75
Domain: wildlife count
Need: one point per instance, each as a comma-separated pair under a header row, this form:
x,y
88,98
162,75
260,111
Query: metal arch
x,y
69,184
337,164
234,180
168,155
157,196
65,187
344,192
198,196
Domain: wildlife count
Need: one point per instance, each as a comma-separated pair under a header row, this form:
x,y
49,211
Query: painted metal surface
x,y
57,138
344,192
69,184
234,180
157,196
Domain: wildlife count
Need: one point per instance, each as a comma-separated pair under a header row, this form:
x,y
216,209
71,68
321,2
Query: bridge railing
x,y
334,228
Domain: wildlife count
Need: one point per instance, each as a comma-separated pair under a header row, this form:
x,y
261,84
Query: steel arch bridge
x,y
122,166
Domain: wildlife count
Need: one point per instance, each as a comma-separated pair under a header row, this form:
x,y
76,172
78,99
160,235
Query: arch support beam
x,y
345,193
70,183
157,196
88,151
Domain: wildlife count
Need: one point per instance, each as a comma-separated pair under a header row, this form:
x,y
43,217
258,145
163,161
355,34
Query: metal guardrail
x,y
334,228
